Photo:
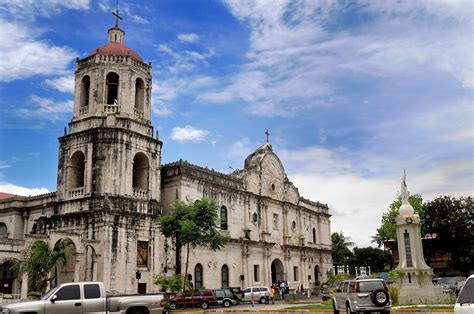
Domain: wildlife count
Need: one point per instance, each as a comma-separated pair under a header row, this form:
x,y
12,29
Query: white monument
x,y
415,283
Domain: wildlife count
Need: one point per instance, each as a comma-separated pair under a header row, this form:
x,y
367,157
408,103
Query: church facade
x,y
111,187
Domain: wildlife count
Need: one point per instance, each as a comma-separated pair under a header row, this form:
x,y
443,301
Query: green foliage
x,y
171,284
292,298
340,251
387,229
394,295
452,219
193,225
40,260
373,257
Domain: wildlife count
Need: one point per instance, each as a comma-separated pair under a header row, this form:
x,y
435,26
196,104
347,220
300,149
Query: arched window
x,y
140,171
112,88
85,88
223,218
76,170
224,276
139,94
198,277
314,235
3,230
316,273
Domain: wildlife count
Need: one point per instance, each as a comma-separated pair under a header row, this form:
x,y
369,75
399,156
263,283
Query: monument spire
x,y
404,191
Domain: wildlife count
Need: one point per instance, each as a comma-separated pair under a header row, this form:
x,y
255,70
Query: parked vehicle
x,y
450,284
202,298
86,297
226,297
260,294
362,294
465,301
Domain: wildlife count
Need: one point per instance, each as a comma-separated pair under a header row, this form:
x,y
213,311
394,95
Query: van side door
x,y
94,301
66,300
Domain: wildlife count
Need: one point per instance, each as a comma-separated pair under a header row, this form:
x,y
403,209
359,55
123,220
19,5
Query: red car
x,y
201,298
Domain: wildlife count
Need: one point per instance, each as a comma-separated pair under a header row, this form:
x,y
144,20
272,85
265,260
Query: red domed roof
x,y
115,49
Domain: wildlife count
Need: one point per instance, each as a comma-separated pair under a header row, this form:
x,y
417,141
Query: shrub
x,y
394,295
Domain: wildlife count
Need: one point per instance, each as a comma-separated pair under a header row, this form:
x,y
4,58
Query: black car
x,y
226,297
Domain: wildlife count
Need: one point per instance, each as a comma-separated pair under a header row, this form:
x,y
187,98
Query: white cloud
x,y
63,84
31,8
183,60
46,108
189,38
129,11
24,55
20,190
188,134
5,164
295,59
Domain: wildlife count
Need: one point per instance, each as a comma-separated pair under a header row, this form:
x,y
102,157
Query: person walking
x,y
272,294
282,290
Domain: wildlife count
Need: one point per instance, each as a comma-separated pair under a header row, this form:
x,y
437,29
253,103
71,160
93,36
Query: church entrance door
x,y
278,273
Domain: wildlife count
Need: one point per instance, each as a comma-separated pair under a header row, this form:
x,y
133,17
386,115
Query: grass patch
x,y
318,306
427,307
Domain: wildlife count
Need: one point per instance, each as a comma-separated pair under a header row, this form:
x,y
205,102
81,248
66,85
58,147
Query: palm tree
x,y
40,261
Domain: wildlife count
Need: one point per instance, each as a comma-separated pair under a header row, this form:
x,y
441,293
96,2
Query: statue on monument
x,y
404,191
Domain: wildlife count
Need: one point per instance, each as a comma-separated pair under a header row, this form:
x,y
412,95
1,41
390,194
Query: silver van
x,y
260,294
362,294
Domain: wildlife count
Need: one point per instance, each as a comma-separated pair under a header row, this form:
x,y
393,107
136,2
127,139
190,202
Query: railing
x,y
111,108
84,110
138,113
76,192
10,296
140,192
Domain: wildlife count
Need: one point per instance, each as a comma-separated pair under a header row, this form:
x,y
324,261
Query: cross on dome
x,y
116,13
267,134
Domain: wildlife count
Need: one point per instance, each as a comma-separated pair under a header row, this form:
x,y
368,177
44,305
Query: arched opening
x,y
314,235
112,88
316,273
224,225
224,276
8,278
76,170
65,267
85,91
139,94
198,282
140,172
3,230
278,272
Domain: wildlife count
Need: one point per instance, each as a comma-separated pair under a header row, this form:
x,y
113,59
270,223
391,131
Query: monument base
x,y
415,294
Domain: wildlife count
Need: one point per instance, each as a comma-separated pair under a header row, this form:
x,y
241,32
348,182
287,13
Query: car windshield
x,y
448,280
49,293
368,286
467,293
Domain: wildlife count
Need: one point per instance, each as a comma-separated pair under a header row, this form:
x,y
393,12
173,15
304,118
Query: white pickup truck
x,y
86,298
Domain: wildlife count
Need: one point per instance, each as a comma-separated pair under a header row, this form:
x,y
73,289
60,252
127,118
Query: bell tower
x,y
110,148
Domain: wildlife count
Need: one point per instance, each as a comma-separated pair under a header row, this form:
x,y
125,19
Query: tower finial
x,y
404,190
267,134
116,13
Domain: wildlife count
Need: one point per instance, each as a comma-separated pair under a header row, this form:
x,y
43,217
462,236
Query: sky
x,y
352,92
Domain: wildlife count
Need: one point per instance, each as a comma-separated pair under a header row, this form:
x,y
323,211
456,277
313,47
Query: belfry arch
x,y
85,91
112,88
77,165
139,94
140,171
278,272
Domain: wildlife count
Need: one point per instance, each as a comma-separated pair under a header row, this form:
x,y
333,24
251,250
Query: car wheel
x,y
204,305
226,303
173,306
262,300
336,311
380,297
348,310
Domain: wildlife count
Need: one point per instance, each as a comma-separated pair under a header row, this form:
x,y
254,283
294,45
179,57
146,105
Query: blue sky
x,y
353,92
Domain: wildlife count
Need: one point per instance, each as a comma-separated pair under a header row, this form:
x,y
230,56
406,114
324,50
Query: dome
x,y
115,49
406,210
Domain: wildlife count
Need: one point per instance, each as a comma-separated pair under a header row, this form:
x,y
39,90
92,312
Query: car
x,y
226,297
362,294
202,298
450,284
327,290
259,294
465,301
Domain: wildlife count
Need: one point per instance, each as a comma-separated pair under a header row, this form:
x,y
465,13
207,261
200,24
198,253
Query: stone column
x,y
24,286
77,268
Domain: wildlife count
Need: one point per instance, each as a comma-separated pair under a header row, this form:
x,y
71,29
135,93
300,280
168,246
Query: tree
x,y
373,257
387,230
193,225
40,260
341,253
452,220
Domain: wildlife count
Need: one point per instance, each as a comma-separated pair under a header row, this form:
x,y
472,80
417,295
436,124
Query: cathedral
x,y
111,187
